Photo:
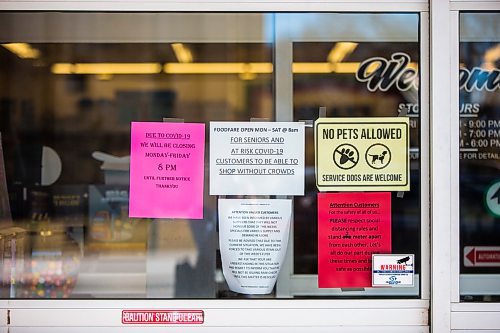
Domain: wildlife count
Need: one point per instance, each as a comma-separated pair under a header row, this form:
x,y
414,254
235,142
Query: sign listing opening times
x,y
479,138
256,158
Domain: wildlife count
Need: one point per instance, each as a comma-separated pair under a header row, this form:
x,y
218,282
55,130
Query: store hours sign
x,y
256,158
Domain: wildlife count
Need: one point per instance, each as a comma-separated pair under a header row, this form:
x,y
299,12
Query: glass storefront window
x,y
71,84
67,106
479,112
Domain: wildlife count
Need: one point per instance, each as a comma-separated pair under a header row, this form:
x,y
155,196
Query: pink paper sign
x,y
166,170
351,227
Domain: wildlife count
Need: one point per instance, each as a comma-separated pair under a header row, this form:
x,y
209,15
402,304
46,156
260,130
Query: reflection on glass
x,y
65,113
479,142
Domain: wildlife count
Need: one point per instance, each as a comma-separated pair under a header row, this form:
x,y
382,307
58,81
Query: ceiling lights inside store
x,y
106,68
340,51
340,68
182,53
219,68
245,70
23,50
491,57
324,67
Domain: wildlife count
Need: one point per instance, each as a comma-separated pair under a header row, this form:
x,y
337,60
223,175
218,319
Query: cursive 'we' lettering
x,y
381,74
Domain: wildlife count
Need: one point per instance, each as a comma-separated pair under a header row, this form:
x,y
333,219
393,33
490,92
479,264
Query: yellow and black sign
x,y
362,154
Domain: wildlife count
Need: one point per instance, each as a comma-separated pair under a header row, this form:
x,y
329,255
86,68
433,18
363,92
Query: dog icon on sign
x,y
378,156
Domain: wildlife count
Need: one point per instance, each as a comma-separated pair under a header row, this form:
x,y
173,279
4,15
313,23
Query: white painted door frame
x,y
396,315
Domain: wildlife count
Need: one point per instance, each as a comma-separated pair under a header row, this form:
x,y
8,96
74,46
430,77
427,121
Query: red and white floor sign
x,y
482,256
163,317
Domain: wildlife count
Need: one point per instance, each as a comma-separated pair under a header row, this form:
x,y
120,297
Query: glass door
x,y
356,67
479,157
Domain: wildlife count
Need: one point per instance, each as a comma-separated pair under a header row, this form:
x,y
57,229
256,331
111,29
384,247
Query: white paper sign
x,y
253,237
393,270
256,158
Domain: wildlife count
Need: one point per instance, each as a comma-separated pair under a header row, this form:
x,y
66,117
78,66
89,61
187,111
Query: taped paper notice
x,y
351,227
166,170
256,158
253,236
362,154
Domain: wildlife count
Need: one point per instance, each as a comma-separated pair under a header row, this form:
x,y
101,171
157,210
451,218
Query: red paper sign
x,y
482,256
181,317
351,227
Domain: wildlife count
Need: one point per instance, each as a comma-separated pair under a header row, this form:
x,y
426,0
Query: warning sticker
x,y
180,317
393,270
362,154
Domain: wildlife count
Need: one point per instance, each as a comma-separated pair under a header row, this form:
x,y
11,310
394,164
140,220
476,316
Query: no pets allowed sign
x,y
362,154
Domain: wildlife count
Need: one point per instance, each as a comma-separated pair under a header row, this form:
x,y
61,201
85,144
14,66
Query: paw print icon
x,y
345,156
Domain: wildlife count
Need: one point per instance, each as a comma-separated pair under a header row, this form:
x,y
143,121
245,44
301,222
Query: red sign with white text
x,y
482,256
163,317
351,227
